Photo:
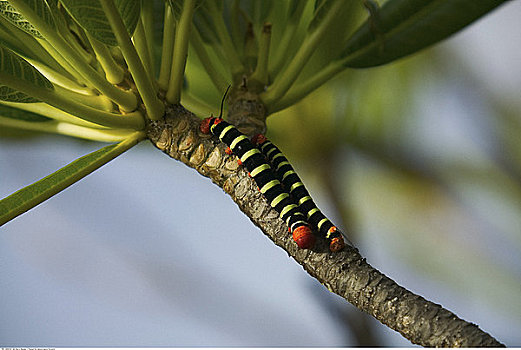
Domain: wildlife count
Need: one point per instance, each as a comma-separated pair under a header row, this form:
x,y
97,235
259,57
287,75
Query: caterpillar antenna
x,y
222,101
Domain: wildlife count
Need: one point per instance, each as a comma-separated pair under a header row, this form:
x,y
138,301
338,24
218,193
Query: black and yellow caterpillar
x,y
298,191
260,170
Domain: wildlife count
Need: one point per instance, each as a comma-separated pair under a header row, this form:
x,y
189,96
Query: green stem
x,y
235,28
167,48
290,74
62,28
155,108
251,51
127,100
100,102
141,44
62,128
52,112
182,36
113,71
59,79
287,40
301,90
261,70
217,78
32,195
63,62
36,50
133,120
226,41
147,17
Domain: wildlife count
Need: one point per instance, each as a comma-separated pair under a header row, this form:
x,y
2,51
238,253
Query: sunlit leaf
x,y
16,67
402,27
7,39
91,17
32,195
39,7
15,113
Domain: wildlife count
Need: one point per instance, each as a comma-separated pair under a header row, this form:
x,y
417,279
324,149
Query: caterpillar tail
x,y
304,238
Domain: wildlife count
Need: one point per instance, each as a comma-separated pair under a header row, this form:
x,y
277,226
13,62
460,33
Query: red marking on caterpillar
x,y
258,139
205,125
336,244
239,161
303,237
228,151
299,192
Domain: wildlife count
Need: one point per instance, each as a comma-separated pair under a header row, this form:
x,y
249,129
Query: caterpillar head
x,y
205,125
258,139
303,237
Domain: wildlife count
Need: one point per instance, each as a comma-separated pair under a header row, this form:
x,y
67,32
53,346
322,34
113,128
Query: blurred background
x,y
419,161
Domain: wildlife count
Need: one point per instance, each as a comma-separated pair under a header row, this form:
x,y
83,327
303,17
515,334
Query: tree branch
x,y
345,273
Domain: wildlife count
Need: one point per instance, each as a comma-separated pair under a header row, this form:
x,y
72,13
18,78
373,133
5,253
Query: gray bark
x,y
345,273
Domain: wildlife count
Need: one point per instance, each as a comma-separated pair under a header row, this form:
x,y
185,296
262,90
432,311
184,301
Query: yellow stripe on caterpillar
x,y
287,173
305,199
259,169
287,208
248,154
225,130
295,185
313,211
279,198
281,164
237,140
269,185
322,222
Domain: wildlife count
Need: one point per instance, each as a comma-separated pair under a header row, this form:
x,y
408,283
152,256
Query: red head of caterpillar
x,y
258,139
207,123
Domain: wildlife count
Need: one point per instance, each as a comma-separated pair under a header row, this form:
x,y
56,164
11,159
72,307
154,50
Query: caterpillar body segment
x,y
298,191
262,173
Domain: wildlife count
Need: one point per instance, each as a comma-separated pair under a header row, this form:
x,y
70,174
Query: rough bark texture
x,y
345,273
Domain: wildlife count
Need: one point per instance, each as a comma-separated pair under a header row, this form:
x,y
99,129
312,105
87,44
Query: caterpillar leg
x,y
336,242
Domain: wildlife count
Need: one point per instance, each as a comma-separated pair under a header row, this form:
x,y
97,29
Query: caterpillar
x,y
294,185
262,173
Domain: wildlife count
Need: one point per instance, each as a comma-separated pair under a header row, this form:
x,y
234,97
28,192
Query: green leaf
x,y
9,40
89,14
204,23
18,68
39,7
258,10
32,195
402,27
177,6
15,113
321,8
